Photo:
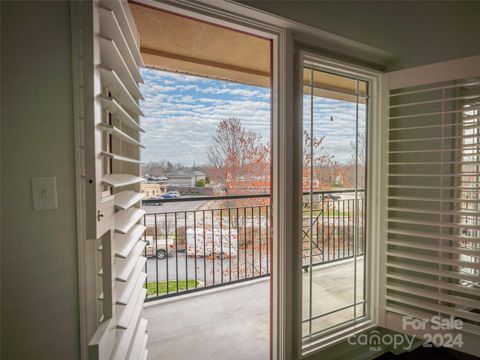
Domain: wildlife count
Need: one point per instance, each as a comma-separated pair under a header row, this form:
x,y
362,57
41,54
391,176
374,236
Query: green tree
x,y
200,183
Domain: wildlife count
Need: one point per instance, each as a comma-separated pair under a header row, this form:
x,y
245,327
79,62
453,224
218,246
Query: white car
x,y
227,246
161,251
174,193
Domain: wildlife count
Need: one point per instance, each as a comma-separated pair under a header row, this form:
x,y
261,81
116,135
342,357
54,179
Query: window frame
x,y
375,188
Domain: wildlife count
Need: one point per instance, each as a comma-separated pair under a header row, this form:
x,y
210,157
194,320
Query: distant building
x,y
185,177
154,187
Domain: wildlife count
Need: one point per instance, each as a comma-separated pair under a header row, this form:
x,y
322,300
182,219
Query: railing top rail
x,y
242,196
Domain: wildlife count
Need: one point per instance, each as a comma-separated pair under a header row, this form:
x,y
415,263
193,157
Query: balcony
x,y
220,249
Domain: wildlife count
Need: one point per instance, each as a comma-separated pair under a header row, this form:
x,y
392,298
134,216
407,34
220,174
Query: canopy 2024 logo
x,y
439,331
436,331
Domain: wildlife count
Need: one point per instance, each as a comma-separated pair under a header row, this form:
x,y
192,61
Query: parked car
x,y
161,251
176,194
168,196
331,197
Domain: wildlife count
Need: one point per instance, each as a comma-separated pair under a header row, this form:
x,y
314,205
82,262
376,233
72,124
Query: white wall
x,y
39,309
420,32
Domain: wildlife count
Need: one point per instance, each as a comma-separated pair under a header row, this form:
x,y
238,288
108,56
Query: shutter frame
x,y
425,250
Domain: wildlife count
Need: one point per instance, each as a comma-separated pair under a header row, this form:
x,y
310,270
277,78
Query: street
x,y
174,206
205,268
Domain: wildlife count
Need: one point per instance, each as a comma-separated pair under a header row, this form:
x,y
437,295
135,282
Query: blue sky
x,y
182,113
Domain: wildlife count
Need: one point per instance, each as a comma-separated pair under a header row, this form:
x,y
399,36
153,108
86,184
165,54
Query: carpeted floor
x,y
422,353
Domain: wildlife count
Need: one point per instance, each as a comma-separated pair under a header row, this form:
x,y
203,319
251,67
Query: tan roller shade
x,y
180,44
333,86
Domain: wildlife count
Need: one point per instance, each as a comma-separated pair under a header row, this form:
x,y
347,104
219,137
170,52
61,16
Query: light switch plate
x,y
44,191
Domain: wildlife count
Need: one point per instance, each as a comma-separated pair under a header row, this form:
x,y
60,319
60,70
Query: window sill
x,y
323,341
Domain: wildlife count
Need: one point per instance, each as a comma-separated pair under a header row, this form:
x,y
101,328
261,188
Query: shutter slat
x,y
112,59
468,328
124,243
110,28
429,235
431,295
435,283
136,282
125,313
112,130
467,277
120,180
124,267
433,306
126,337
430,223
437,248
139,345
113,83
119,113
125,288
126,199
123,21
126,219
433,259
120,158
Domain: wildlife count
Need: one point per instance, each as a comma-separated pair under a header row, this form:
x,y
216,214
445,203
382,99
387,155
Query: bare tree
x,y
323,164
236,152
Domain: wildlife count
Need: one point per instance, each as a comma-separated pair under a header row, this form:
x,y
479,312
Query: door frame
x,y
376,189
281,102
283,342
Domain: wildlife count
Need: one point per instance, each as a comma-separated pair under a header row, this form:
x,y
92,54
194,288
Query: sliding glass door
x,y
335,108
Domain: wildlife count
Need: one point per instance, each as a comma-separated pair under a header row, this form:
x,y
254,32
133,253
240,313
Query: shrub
x,y
200,183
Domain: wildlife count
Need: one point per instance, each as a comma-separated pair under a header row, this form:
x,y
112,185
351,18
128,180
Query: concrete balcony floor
x,y
232,322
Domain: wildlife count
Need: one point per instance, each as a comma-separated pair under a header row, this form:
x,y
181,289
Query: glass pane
x,y
334,179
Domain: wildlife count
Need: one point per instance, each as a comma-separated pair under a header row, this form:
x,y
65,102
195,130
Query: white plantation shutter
x,y
433,232
109,63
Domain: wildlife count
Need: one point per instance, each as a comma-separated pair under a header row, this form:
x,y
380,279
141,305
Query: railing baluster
x,y
229,247
204,252
194,244
176,253
339,228
238,244
213,247
260,237
221,246
333,228
267,221
323,228
166,240
245,241
186,253
156,252
349,229
253,244
343,226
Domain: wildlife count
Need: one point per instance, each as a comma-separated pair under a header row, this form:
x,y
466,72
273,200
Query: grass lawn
x,y
172,286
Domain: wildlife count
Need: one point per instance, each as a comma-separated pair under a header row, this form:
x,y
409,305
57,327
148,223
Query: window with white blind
x,y
433,239
107,61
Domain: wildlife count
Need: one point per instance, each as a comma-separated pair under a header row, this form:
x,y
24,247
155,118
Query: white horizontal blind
x,y
433,244
121,332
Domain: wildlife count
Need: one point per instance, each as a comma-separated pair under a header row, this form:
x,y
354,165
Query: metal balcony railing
x,y
191,250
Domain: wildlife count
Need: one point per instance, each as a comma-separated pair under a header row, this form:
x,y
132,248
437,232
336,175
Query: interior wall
x,y
419,33
39,287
